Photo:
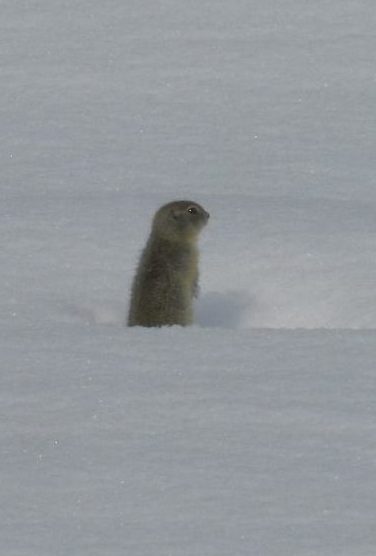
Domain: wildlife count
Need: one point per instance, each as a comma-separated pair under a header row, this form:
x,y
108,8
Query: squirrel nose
x,y
207,215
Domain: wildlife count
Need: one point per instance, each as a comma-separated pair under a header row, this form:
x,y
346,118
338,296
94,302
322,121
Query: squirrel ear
x,y
175,214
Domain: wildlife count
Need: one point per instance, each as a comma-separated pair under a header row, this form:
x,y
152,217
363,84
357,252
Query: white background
x,y
253,432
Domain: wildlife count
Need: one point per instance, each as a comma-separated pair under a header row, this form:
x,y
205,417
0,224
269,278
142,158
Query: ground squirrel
x,y
167,275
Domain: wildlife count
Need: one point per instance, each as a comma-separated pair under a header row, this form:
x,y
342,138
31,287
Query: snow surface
x,y
252,432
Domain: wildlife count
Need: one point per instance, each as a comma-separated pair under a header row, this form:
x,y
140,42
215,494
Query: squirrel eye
x,y
192,210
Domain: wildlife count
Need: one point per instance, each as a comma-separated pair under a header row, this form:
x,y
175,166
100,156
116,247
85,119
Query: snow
x,y
252,432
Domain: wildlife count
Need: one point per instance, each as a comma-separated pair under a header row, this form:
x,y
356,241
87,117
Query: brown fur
x,y
167,276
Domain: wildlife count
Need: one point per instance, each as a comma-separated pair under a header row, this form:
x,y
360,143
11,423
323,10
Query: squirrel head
x,y
180,220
